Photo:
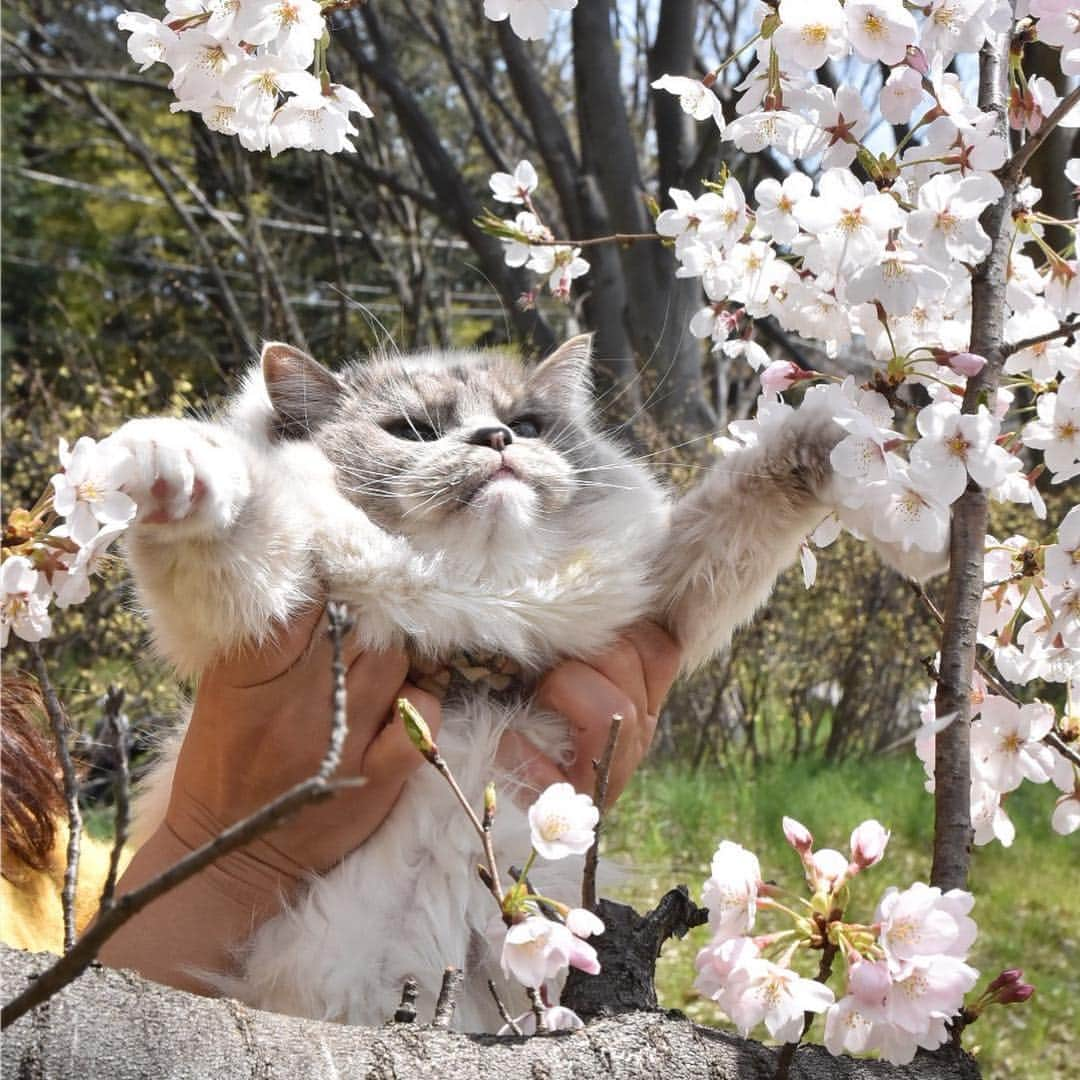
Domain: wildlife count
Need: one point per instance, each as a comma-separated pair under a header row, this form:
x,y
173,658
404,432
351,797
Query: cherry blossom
x,y
880,29
810,34
528,18
1006,743
562,822
762,991
695,98
956,445
87,492
24,601
537,949
515,187
314,118
921,921
730,893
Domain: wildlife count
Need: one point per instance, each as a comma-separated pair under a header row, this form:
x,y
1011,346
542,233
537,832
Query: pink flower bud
x,y
1007,978
868,843
781,374
1013,995
798,836
967,363
916,58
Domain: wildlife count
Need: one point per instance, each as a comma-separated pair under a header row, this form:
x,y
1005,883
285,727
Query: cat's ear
x,y
302,391
566,375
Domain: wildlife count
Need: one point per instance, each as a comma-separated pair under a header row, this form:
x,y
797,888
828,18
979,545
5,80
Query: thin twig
x,y
1064,330
444,1005
431,754
592,241
537,1007
507,1019
603,772
406,1011
315,789
71,791
116,723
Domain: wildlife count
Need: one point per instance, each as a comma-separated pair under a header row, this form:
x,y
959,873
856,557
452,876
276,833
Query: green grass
x,y
670,820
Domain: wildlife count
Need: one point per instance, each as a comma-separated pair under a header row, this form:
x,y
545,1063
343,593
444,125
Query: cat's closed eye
x,y
527,426
412,428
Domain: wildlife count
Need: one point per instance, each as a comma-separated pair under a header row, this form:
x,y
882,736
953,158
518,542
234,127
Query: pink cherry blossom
x,y
730,893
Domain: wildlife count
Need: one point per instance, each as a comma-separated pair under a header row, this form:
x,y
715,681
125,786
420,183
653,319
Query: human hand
x,y
261,724
631,678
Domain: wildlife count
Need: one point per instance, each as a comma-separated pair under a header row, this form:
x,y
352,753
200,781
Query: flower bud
x,y
1007,978
489,804
829,869
916,58
868,843
966,363
416,728
1014,995
798,836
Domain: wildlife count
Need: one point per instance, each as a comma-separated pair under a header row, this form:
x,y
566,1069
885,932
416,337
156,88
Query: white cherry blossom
x,y
730,893
695,98
88,492
528,18
515,187
880,29
810,34
562,822
24,601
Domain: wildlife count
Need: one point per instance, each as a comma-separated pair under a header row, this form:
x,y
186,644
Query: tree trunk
x,y
112,1025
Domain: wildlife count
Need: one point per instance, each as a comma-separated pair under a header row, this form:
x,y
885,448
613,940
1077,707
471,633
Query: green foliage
x,y
669,821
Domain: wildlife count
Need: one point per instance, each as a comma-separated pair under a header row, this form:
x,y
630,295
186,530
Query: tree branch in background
x,y
71,790
319,787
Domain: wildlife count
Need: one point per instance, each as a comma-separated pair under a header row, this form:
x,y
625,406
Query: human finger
x,y
391,756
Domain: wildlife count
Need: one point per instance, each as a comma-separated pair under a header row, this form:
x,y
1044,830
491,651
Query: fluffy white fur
x,y
238,528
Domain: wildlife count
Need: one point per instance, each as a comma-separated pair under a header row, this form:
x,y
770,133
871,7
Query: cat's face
x,y
456,451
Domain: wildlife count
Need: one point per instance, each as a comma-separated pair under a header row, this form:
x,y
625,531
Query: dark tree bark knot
x,y
627,951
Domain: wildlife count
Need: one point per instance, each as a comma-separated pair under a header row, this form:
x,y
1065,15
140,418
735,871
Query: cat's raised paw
x,y
181,475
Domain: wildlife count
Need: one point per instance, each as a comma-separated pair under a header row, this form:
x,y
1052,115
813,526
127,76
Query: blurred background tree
x,y
145,258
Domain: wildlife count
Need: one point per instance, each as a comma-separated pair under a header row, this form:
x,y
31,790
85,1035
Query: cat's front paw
x,y
183,474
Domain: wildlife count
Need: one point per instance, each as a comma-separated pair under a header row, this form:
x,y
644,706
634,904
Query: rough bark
x,y
112,1025
963,593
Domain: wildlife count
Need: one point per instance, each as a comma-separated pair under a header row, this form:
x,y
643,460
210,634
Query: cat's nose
x,y
498,437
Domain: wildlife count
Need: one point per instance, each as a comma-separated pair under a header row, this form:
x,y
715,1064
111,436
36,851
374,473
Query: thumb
x,y
391,757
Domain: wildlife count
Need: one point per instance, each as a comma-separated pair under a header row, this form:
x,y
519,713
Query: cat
x,y
461,504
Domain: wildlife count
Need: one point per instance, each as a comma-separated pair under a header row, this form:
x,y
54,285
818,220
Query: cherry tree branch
x,y
318,787
953,833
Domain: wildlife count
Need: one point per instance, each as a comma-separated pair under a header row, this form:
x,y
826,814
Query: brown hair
x,y
32,795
